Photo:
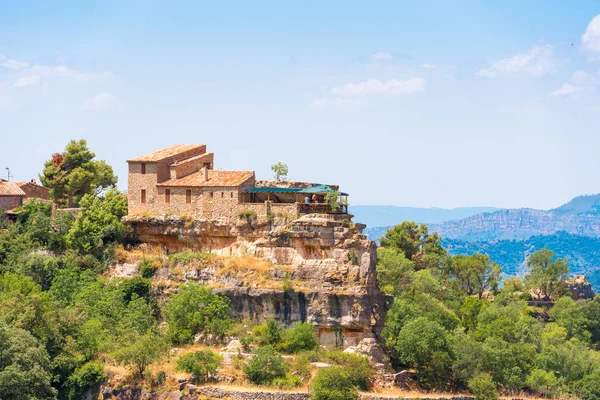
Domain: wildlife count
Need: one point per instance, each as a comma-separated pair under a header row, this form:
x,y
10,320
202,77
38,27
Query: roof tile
x,y
166,152
216,178
10,189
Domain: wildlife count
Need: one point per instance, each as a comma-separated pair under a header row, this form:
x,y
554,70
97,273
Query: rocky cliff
x,y
316,269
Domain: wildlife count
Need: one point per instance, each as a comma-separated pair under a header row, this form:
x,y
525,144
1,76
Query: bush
x,y
300,337
247,215
287,382
200,364
333,384
266,366
196,309
356,367
542,382
85,377
147,268
268,333
588,388
483,388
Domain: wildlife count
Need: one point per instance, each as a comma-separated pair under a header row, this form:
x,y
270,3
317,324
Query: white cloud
x,y
428,65
580,82
27,81
377,87
29,75
590,40
13,64
102,102
537,61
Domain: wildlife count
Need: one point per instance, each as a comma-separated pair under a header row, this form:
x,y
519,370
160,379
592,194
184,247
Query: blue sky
x,y
428,104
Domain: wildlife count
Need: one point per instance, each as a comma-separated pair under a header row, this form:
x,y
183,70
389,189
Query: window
x,y
167,195
143,196
231,195
211,194
143,168
222,194
188,196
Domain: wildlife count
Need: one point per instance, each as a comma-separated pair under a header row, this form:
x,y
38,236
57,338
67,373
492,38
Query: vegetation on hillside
x,y
64,326
454,325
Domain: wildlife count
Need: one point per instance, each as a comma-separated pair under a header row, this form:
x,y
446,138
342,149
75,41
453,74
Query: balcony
x,y
320,208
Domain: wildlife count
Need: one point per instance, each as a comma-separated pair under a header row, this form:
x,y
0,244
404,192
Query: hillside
x,y
582,252
374,216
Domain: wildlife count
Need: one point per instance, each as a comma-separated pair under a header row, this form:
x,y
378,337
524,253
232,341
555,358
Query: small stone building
x,y
181,180
15,194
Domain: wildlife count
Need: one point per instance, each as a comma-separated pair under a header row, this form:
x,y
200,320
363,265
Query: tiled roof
x,y
176,163
215,178
10,189
166,152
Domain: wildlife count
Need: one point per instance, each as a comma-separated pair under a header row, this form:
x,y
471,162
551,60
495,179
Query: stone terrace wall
x,y
10,202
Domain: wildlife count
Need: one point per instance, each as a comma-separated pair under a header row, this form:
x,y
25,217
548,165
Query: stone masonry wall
x,y
10,202
138,181
187,167
35,191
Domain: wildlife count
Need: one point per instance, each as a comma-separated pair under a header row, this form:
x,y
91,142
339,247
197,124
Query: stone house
x,y
181,180
15,194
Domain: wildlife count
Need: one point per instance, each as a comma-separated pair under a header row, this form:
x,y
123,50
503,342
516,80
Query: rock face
x,y
580,288
329,263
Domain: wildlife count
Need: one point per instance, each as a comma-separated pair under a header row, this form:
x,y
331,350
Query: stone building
x,y
181,180
15,194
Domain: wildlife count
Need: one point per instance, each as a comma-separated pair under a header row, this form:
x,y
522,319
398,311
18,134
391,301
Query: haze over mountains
x,y
507,235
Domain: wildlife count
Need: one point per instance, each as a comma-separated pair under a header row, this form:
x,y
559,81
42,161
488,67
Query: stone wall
x,y
191,392
10,202
32,190
186,167
136,182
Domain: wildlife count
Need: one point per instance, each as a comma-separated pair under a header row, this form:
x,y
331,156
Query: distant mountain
x,y
580,216
582,252
391,215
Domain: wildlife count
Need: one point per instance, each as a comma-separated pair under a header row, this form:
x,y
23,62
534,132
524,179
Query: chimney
x,y
205,172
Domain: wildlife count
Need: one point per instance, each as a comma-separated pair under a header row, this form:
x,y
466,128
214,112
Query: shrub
x,y
266,366
356,367
300,337
85,377
147,268
159,378
333,384
247,215
542,382
142,352
196,309
200,364
268,333
287,382
588,388
482,386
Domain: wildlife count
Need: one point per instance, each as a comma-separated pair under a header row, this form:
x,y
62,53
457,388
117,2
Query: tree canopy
x,y
72,174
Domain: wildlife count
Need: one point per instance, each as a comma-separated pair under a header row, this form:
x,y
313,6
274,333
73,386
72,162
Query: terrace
x,y
308,200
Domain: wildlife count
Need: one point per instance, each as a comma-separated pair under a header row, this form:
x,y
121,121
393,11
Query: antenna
x,y
8,175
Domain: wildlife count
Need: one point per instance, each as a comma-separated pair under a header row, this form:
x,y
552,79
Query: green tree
x,y
418,245
267,333
280,171
394,270
200,364
25,371
99,223
569,314
332,199
483,388
72,174
542,382
333,383
85,377
300,337
143,351
546,276
418,340
588,388
196,309
475,273
265,366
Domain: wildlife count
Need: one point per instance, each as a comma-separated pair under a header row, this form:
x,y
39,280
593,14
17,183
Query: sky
x,y
426,104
